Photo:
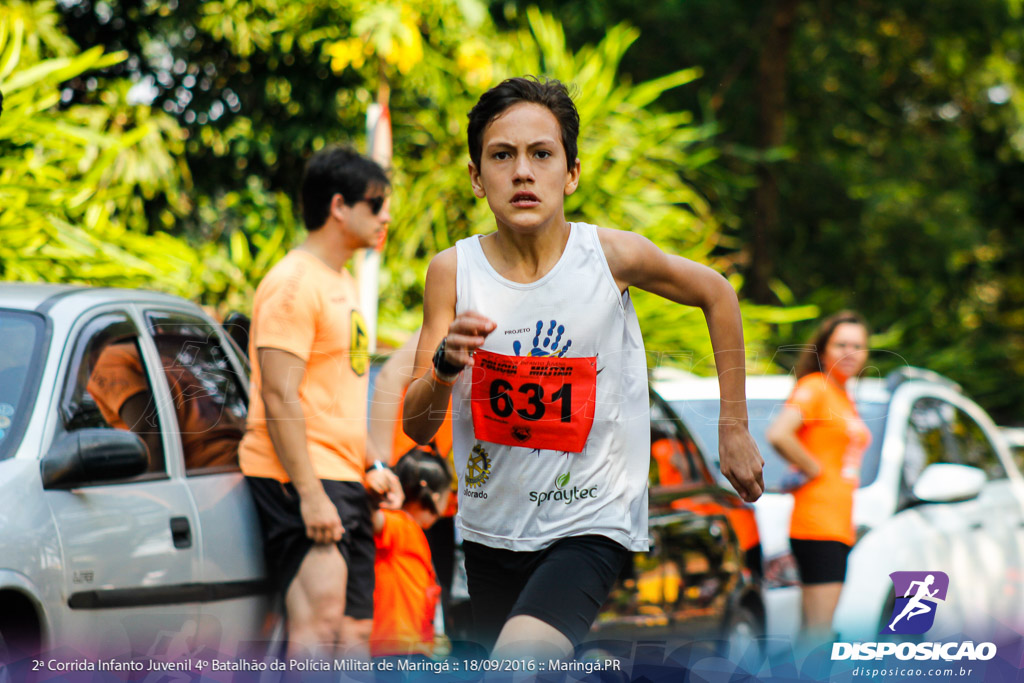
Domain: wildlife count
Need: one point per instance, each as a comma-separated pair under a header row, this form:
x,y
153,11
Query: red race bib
x,y
534,402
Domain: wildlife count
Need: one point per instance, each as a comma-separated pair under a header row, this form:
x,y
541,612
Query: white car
x,y
938,488
117,543
1015,440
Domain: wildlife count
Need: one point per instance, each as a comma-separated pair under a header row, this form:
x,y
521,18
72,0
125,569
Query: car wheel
x,y
743,637
19,629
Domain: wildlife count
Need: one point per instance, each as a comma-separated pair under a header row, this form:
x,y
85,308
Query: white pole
x,y
367,261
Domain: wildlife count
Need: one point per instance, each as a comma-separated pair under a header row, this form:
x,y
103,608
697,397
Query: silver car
x,y
126,528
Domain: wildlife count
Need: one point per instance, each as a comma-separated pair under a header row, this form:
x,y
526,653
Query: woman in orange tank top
x,y
820,433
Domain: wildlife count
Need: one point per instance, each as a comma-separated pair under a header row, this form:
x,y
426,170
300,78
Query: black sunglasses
x,y
376,203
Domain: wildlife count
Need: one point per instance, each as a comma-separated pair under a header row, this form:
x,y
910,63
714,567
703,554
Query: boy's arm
x,y
635,261
426,401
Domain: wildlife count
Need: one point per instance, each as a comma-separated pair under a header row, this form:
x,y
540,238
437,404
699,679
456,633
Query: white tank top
x,y
524,499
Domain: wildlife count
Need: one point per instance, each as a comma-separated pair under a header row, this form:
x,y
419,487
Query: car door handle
x,y
181,532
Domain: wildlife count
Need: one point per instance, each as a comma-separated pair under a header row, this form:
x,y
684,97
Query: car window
x,y
107,385
925,444
675,456
22,334
209,402
971,445
701,416
941,432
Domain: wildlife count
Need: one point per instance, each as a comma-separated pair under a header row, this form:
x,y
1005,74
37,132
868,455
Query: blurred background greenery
x,y
822,155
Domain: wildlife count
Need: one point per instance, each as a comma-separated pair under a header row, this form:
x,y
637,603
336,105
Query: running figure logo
x,y
917,595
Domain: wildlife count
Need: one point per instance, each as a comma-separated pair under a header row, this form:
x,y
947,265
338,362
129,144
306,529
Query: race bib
x,y
534,402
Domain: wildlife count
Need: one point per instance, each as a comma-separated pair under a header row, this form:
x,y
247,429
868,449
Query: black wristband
x,y
377,465
441,363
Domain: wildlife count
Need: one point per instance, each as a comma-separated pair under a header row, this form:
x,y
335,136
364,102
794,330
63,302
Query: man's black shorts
x,y
285,543
563,585
820,561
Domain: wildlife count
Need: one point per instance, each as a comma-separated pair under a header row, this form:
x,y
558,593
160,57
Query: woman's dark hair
x,y
548,93
421,475
810,357
338,170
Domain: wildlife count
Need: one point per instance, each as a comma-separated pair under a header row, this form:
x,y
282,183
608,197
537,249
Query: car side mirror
x,y
93,455
948,483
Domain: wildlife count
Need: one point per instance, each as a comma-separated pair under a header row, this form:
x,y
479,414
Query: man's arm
x,y
426,401
282,373
635,261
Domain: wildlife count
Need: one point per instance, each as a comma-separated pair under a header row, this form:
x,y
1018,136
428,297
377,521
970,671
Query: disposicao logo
x,y
917,597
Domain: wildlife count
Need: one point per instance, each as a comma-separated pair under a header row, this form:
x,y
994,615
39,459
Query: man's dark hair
x,y
548,93
338,170
810,358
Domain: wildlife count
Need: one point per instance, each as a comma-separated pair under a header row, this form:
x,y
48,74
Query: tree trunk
x,y
771,114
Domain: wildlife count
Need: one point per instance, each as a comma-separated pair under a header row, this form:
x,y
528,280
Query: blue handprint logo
x,y
545,343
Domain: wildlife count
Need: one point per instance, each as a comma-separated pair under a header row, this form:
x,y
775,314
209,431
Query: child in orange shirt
x,y
406,593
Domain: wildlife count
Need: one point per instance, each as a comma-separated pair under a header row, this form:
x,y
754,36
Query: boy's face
x,y
523,173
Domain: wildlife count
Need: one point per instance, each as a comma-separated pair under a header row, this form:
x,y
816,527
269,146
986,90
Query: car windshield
x,y
21,337
701,417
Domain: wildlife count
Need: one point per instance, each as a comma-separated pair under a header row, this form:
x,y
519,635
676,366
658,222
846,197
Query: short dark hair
x,y
337,170
421,475
548,93
810,357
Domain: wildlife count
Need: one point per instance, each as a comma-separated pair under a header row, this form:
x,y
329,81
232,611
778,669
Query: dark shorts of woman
x,y
820,561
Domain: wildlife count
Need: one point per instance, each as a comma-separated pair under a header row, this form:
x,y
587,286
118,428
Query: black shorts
x,y
820,561
285,543
563,585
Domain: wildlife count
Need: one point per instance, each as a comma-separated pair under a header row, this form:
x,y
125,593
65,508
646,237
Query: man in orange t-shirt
x,y
304,452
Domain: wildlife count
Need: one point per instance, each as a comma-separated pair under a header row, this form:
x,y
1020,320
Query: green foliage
x,y
907,123
190,195
70,181
91,193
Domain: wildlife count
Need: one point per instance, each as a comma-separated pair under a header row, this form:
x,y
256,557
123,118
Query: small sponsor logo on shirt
x,y
359,344
562,493
478,470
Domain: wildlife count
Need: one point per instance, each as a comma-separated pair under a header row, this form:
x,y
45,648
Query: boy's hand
x,y
466,334
740,461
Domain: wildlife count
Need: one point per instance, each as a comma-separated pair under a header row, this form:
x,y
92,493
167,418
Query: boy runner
x,y
551,422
